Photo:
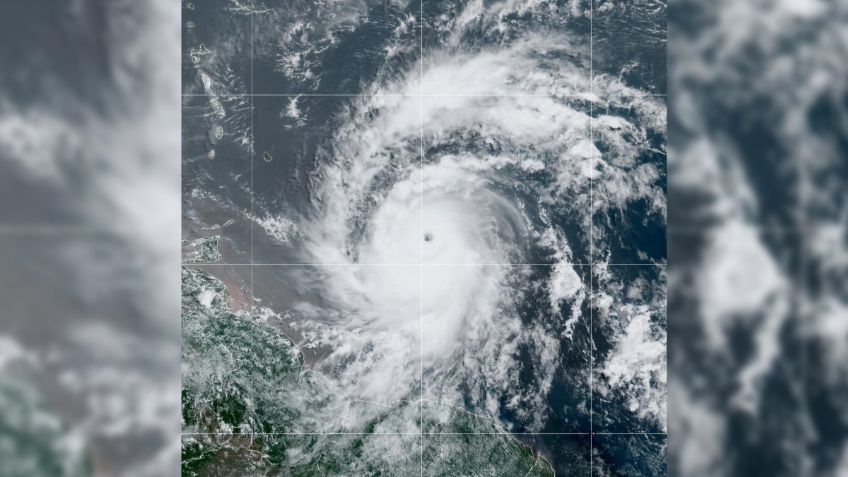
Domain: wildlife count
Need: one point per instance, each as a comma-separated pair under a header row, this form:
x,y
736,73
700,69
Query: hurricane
x,y
459,224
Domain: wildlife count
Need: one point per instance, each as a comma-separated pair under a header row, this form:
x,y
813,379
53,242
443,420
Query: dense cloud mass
x,y
409,206
455,223
442,203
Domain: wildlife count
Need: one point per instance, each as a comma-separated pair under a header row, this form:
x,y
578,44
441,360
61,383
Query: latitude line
x,y
575,95
573,264
422,264
423,433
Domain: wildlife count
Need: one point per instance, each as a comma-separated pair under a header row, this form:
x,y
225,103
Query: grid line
x,y
573,264
252,165
591,245
421,265
424,433
392,95
421,201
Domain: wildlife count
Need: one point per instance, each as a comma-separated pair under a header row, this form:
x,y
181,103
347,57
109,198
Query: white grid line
x,y
421,239
421,265
252,165
591,245
575,95
661,265
424,433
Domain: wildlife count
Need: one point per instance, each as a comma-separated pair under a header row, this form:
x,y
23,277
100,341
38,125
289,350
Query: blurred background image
x,y
90,237
757,227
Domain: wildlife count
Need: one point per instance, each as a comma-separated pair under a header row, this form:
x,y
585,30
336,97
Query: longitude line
x,y
421,204
591,246
421,195
252,157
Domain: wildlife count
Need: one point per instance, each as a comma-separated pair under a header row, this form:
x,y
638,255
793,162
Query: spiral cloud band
x,y
474,226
